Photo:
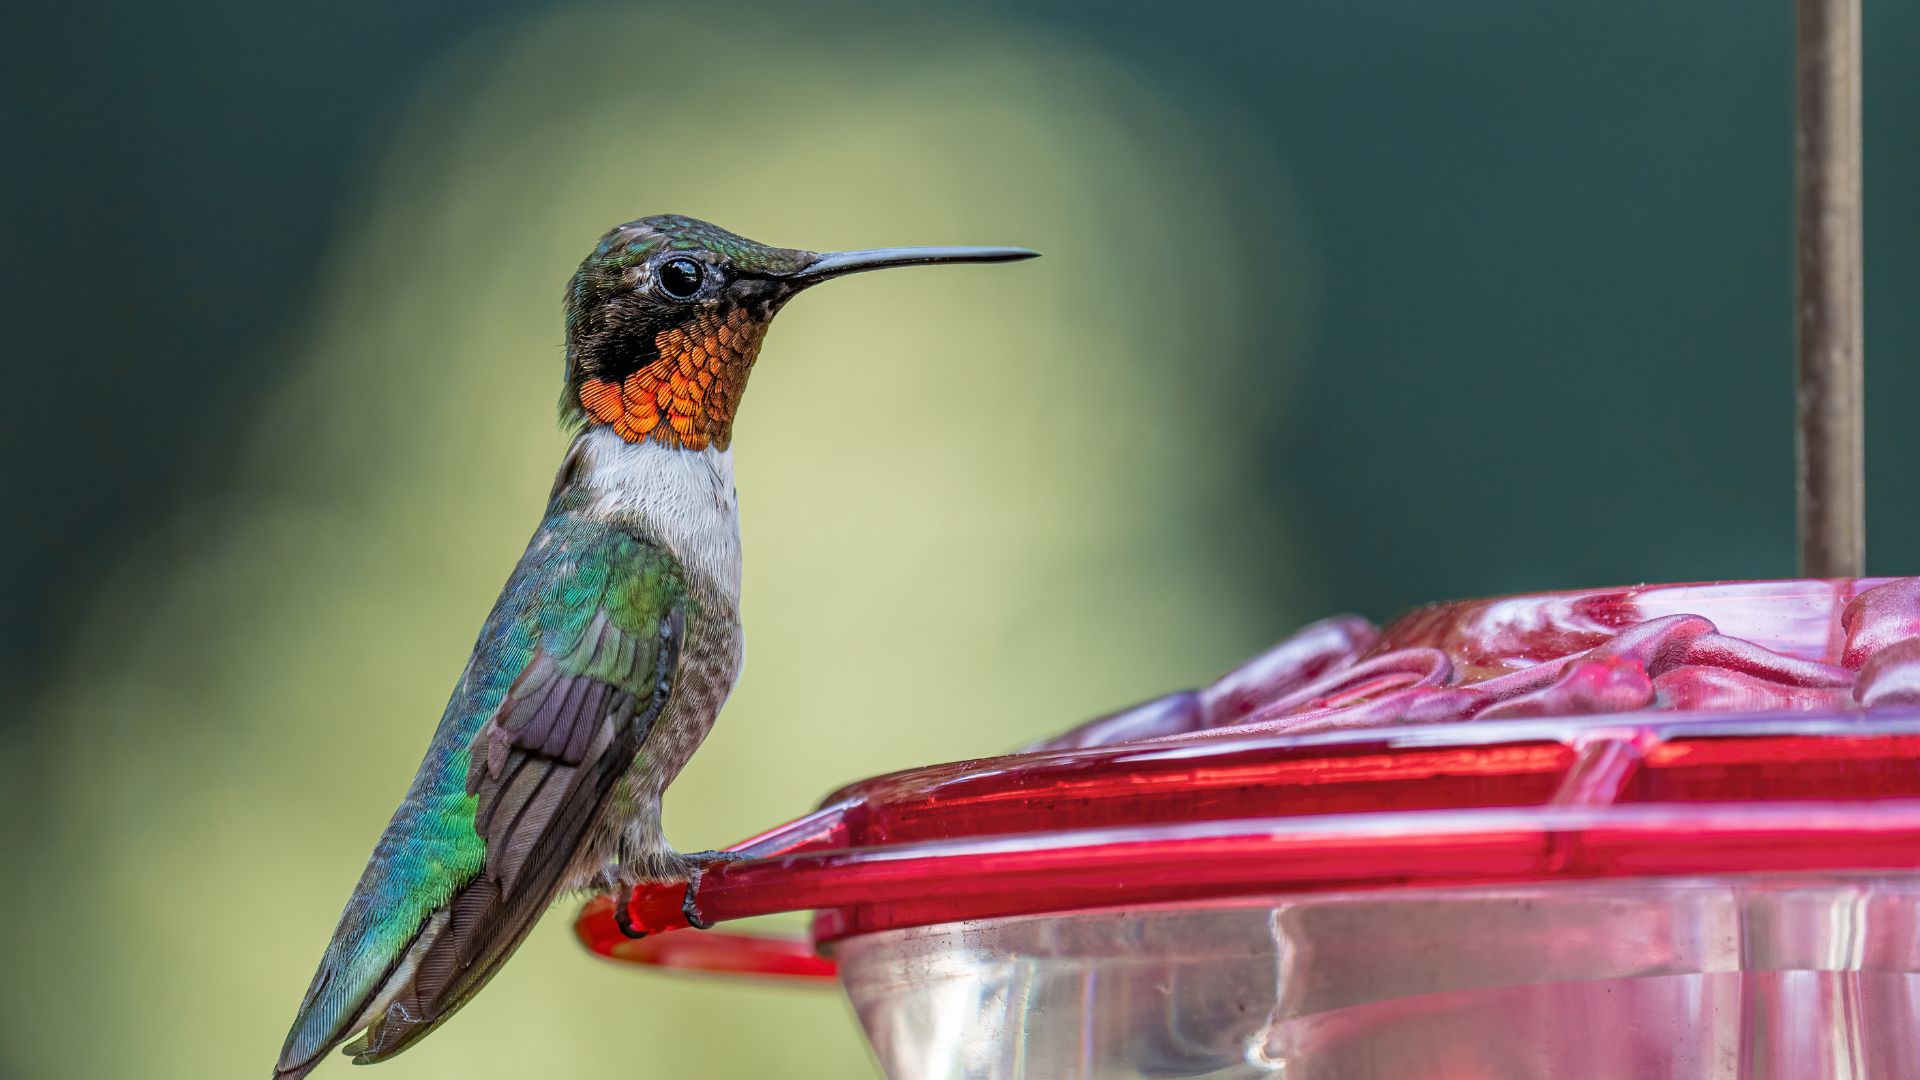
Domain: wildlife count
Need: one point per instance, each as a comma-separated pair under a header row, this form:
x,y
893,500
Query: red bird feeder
x,y
1634,832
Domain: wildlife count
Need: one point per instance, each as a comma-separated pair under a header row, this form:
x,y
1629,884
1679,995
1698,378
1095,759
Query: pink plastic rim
x,y
1244,812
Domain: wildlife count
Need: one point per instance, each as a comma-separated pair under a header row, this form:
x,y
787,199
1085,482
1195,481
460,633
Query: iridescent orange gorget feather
x,y
687,397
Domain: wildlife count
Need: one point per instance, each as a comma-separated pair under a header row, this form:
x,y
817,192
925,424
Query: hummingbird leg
x,y
700,861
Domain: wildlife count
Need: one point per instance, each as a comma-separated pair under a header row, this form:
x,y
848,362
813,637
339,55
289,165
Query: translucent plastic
x,y
1658,831
1803,978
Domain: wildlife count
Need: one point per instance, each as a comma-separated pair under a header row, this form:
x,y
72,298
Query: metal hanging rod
x,y
1829,307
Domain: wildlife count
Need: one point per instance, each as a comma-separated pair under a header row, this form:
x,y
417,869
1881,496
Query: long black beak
x,y
836,263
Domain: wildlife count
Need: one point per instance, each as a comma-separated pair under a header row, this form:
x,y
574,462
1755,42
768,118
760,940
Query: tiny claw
x,y
701,861
623,918
687,906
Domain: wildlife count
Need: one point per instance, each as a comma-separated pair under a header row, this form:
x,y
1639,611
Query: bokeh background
x,y
1346,306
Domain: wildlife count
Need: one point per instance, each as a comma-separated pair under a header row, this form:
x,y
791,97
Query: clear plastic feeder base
x,y
1804,978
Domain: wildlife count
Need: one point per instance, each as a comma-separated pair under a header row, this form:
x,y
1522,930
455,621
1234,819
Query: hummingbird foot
x,y
623,918
700,862
618,882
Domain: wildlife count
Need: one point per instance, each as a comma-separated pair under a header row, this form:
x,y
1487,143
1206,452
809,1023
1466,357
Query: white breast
x,y
683,499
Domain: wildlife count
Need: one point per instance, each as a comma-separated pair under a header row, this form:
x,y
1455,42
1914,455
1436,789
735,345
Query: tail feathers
x,y
436,975
475,935
298,1071
416,1001
356,981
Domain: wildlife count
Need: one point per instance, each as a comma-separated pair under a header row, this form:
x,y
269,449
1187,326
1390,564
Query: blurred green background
x,y
1346,306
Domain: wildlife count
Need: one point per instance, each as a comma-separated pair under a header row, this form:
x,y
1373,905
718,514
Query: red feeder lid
x,y
1741,727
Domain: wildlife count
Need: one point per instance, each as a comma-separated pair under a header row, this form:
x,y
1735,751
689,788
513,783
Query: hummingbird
x,y
606,658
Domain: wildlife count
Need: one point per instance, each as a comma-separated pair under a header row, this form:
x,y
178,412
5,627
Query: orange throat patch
x,y
686,398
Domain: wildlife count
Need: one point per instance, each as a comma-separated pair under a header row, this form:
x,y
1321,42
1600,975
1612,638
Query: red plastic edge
x,y
715,953
1713,728
1536,802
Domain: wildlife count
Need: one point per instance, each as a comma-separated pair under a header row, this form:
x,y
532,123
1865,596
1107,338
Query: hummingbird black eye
x,y
680,277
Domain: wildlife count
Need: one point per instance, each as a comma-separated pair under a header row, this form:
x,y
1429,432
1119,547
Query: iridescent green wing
x,y
545,765
569,673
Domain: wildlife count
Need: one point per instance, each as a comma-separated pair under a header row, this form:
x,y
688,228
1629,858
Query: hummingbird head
x,y
666,315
